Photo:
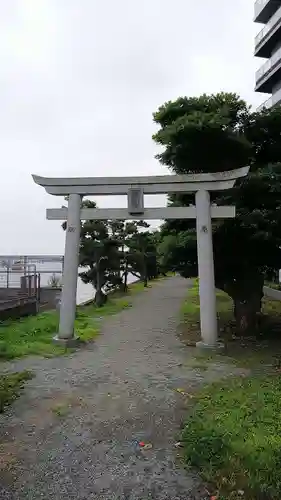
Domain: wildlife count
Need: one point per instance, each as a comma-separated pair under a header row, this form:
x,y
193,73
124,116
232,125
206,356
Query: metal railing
x,y
266,104
272,101
28,284
16,283
268,65
17,301
269,26
259,5
47,266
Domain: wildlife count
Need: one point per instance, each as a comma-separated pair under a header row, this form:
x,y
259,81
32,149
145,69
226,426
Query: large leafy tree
x,y
217,133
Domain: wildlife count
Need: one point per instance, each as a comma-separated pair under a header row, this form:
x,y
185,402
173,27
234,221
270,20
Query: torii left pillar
x,y
66,335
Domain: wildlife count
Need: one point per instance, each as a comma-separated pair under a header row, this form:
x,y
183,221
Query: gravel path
x,y
74,432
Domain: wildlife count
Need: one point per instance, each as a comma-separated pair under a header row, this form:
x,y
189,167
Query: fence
x,y
12,267
28,284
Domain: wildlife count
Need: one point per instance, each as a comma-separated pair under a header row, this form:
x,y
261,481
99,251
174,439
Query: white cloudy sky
x,y
79,80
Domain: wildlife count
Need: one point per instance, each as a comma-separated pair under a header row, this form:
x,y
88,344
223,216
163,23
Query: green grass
x,y
11,386
61,410
262,350
190,309
33,335
190,313
233,436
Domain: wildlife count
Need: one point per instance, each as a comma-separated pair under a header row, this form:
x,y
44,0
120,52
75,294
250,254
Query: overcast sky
x,y
79,81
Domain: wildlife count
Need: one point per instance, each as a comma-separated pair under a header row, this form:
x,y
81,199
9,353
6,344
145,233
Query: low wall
x,y
9,293
272,293
18,307
49,298
14,303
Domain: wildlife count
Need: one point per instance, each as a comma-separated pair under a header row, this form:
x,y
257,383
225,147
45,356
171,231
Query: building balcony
x,y
264,10
269,74
269,36
274,100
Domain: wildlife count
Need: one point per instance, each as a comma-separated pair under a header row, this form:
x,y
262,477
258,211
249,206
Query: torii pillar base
x,y
70,342
218,347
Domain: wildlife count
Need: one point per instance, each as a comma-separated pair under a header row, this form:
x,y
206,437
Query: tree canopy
x,y
216,133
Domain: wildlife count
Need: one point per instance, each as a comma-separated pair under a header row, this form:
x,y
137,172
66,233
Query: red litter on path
x,y
145,446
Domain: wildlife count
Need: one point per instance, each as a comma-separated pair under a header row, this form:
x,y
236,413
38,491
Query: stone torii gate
x,y
135,188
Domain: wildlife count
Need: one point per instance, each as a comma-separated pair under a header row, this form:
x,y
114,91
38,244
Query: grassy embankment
x,y
233,433
33,335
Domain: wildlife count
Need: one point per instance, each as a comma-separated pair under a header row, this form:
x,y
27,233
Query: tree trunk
x,y
246,313
124,284
247,294
246,317
100,297
144,271
144,278
126,279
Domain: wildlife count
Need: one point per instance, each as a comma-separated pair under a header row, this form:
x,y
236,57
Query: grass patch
x,y
261,351
234,437
233,434
33,335
11,386
61,410
190,313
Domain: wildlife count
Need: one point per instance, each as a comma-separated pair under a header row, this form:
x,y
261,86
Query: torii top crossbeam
x,y
159,184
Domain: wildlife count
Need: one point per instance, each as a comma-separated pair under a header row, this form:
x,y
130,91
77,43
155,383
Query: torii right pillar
x,y
206,268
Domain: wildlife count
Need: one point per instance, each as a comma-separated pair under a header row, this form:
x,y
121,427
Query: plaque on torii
x,y
135,188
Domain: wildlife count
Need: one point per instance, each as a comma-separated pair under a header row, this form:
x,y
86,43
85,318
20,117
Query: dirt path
x,y
74,432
